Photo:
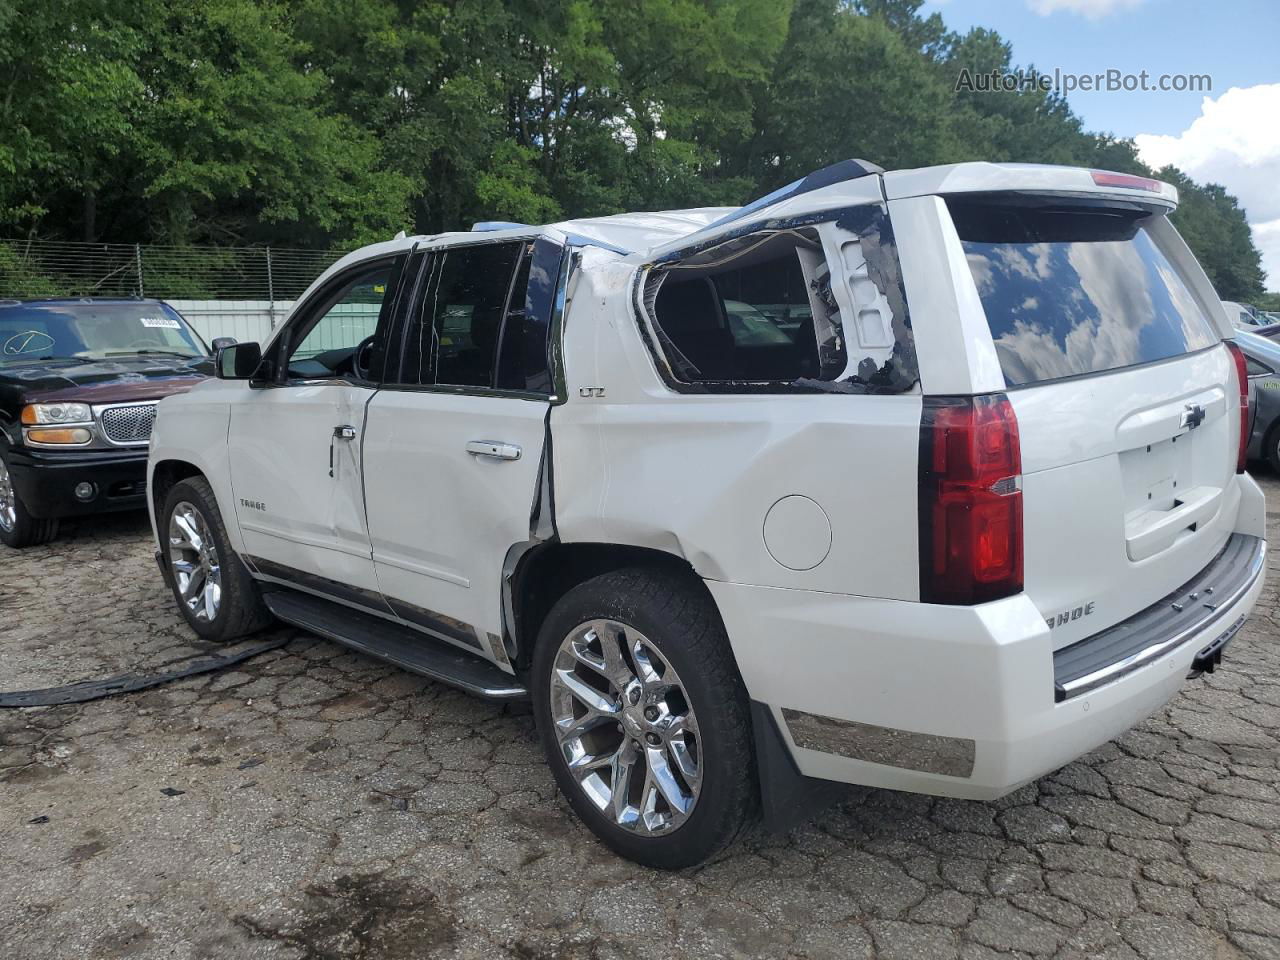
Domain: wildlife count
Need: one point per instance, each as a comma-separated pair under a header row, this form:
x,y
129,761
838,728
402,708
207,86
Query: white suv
x,y
929,480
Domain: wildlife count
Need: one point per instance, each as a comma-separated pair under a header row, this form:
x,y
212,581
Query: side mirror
x,y
221,342
238,361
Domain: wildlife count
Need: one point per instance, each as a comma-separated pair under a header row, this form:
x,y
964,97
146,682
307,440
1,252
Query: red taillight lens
x,y
1242,382
970,500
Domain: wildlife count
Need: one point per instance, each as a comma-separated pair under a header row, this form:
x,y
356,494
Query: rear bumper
x,y
46,481
1197,606
953,701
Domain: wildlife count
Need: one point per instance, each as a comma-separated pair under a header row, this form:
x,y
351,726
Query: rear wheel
x,y
216,595
644,717
17,527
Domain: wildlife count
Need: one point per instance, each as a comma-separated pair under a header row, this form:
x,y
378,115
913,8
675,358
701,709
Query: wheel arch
x,y
537,575
165,474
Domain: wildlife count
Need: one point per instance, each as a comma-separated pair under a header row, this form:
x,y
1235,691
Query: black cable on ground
x,y
130,682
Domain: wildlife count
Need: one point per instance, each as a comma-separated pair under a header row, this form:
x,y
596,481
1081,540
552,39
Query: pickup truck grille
x,y
131,424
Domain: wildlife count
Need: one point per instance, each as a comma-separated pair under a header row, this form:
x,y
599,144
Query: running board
x,y
394,643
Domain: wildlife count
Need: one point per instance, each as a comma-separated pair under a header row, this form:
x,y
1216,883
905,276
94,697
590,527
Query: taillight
x,y
1242,381
970,500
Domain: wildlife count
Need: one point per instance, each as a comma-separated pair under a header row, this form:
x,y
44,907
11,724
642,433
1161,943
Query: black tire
x,y
1271,447
240,610
678,618
23,530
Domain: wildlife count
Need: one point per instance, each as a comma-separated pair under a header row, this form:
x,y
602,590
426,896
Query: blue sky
x,y
1228,135
1234,41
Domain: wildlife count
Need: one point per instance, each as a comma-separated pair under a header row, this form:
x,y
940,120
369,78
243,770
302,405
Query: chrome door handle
x,y
494,449
343,432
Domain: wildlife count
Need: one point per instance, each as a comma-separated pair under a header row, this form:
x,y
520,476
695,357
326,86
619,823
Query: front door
x,y
454,443
295,445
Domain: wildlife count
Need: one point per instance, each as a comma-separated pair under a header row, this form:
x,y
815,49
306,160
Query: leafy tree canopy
x,y
334,122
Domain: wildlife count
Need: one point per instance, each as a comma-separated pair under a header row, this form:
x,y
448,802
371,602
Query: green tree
x,y
319,122
1214,226
847,85
68,99
182,122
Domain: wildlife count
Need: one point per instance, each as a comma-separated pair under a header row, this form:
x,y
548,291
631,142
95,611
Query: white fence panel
x,y
242,319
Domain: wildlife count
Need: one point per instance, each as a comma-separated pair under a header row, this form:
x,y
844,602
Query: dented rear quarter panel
x,y
696,475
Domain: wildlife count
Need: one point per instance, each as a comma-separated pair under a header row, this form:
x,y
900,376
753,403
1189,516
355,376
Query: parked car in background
x,y
79,383
1263,359
1246,317
1242,317
944,530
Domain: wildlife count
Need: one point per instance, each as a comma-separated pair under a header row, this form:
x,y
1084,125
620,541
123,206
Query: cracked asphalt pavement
x,y
314,803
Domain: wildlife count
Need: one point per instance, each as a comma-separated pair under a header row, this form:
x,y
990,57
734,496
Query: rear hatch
x,y
1124,398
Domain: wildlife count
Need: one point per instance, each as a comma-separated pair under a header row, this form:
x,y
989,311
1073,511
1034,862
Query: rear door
x,y
1125,400
454,443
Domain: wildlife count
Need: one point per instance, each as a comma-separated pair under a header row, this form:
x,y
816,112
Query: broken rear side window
x,y
815,308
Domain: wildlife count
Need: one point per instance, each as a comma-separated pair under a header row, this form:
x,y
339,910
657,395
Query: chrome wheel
x,y
193,557
625,727
8,506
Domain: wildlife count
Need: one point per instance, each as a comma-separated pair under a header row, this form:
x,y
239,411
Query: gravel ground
x,y
313,803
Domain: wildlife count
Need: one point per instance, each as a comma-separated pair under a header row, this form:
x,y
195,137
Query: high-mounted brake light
x,y
1242,383
970,500
1105,178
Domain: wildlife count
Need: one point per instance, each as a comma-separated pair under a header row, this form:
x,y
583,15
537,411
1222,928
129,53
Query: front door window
x,y
339,338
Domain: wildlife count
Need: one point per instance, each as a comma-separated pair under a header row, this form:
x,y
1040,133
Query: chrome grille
x,y
129,424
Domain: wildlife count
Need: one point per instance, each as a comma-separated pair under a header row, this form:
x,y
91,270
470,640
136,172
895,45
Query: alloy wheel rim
x,y
193,557
8,507
626,727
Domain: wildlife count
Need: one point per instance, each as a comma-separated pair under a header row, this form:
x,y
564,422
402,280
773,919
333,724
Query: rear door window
x,y
474,327
1074,289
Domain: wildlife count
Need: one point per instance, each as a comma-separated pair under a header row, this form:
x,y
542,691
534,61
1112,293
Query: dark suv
x,y
79,384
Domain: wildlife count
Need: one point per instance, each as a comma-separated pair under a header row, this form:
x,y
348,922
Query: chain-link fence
x,y
55,268
240,292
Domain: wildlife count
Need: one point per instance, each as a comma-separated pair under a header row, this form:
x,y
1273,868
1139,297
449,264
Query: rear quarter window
x,y
815,307
1075,288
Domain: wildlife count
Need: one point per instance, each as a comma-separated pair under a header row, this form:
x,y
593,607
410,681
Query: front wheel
x,y
18,528
216,595
644,718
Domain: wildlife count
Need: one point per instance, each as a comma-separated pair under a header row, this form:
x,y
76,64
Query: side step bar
x,y
394,643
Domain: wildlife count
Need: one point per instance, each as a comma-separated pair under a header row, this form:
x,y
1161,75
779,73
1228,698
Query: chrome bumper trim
x,y
926,752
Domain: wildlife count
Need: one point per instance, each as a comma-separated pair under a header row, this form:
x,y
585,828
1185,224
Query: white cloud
x,y
1266,237
1235,142
1089,9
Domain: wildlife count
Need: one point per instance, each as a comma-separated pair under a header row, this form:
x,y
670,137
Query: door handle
x,y
494,449
342,432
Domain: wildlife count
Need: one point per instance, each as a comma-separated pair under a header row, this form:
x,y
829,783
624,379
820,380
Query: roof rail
x,y
489,226
836,173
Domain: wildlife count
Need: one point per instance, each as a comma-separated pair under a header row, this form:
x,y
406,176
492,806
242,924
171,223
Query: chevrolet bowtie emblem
x,y
1193,416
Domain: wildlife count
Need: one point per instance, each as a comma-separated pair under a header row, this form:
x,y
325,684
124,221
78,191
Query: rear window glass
x,y
1075,289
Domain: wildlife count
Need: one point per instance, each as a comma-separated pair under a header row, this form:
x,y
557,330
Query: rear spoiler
x,y
1028,178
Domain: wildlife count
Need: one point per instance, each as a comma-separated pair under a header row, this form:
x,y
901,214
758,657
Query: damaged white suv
x,y
929,480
